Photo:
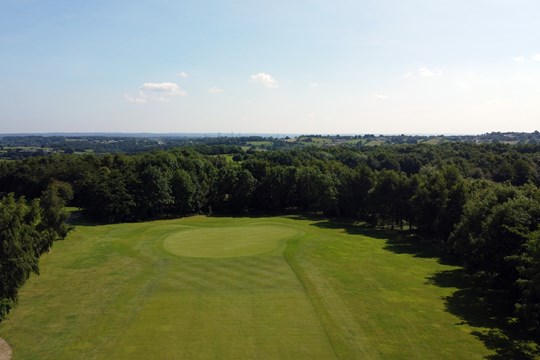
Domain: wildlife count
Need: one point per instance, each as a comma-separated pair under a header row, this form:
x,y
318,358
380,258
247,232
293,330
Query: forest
x,y
476,203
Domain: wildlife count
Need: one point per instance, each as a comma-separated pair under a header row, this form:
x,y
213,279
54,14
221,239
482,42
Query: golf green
x,y
225,242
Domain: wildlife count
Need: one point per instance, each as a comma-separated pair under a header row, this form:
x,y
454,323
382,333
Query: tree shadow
x,y
479,303
78,218
396,241
409,243
349,227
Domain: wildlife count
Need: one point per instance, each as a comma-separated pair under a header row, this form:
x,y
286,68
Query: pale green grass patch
x,y
223,242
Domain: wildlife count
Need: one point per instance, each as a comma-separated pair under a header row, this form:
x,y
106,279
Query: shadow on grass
x,y
413,245
349,227
76,218
79,218
476,302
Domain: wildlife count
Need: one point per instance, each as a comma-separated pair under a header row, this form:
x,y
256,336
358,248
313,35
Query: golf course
x,y
238,288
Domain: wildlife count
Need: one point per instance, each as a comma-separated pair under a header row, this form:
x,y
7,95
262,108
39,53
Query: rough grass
x,y
311,290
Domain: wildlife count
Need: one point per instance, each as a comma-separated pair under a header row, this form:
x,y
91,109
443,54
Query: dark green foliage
x,y
18,241
106,196
528,305
155,193
353,191
389,198
523,172
53,217
429,201
472,237
27,229
183,191
276,189
316,191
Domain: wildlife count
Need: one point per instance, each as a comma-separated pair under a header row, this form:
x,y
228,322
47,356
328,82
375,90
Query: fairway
x,y
234,288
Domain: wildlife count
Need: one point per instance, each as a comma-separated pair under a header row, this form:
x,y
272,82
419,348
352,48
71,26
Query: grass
x,y
241,288
227,242
434,141
259,143
375,142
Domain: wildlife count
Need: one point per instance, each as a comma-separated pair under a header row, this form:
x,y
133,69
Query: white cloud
x,y
523,59
427,73
168,88
494,102
134,100
161,92
423,73
265,80
313,85
463,85
215,90
183,75
381,96
408,75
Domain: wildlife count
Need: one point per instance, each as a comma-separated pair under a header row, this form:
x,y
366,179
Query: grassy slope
x,y
115,292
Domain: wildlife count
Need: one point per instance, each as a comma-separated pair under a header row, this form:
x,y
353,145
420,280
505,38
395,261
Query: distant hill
x,y
17,146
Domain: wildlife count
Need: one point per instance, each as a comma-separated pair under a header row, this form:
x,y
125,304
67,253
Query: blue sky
x,y
408,66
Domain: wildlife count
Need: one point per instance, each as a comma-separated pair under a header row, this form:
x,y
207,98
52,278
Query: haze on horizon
x,y
412,66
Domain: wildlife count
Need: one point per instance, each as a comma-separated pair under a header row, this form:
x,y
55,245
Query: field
x,y
241,288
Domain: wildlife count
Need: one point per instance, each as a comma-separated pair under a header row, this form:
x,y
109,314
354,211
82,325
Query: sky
x,y
272,67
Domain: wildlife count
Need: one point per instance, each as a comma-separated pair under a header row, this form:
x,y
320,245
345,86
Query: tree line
x,y
27,230
479,203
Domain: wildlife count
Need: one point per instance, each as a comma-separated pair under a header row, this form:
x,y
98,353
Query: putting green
x,y
226,242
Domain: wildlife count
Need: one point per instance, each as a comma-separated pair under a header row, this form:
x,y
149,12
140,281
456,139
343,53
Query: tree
x,y
316,191
429,201
353,191
473,240
457,192
155,191
523,173
53,223
528,305
276,190
183,191
243,187
19,244
389,197
109,195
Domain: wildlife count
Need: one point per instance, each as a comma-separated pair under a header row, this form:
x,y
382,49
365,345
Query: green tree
x,y
389,197
106,196
316,191
53,220
19,241
528,305
155,191
183,191
243,187
353,191
523,172
429,201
